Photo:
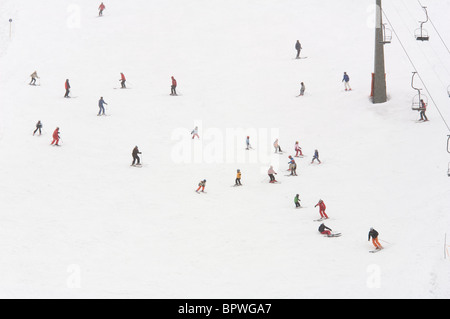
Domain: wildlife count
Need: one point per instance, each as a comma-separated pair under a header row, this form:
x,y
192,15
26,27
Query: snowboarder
x,y
135,156
277,147
122,81
247,142
346,81
302,89
238,178
33,76
322,209
56,137
194,132
298,150
100,9
67,87
271,172
422,109
292,166
297,201
38,128
316,157
298,47
374,234
101,102
324,230
173,87
201,186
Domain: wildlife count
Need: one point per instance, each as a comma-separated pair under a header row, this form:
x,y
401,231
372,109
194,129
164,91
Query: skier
x,y
346,81
173,87
101,102
292,166
67,87
56,137
135,156
100,9
298,150
247,142
316,157
423,108
374,234
38,128
297,201
271,172
277,146
298,47
322,208
194,132
302,89
33,76
122,81
238,178
324,230
201,185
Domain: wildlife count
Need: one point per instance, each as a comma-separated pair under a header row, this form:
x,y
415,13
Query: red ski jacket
x,y
67,85
56,134
174,82
122,76
102,7
321,205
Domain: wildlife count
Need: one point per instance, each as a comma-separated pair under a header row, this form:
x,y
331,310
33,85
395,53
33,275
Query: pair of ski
x,y
375,250
136,165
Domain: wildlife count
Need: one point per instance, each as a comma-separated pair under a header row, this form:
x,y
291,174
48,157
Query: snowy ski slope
x,y
77,221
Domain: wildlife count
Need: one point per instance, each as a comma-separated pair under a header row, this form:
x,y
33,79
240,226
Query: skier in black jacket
x,y
374,234
298,47
38,127
324,230
135,156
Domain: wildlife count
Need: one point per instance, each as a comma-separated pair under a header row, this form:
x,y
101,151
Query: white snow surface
x,y
76,221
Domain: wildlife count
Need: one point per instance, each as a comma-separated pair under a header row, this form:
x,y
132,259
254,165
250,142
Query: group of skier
x,y
201,186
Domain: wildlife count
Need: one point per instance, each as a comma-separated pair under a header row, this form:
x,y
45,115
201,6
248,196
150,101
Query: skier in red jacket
x,y
67,87
56,137
122,80
173,87
322,208
100,9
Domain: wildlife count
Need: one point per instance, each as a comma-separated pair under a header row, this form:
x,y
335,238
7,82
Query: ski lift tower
x,y
379,77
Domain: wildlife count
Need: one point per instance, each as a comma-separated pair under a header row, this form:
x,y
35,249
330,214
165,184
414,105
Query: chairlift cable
x,y
415,69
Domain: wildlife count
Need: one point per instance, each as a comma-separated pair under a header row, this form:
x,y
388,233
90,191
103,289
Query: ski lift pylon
x,y
421,34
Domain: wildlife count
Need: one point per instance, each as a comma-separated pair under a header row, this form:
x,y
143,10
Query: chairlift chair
x,y
421,34
387,34
416,102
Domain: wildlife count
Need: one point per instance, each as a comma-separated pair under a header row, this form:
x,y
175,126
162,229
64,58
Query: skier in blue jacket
x,y
346,81
101,102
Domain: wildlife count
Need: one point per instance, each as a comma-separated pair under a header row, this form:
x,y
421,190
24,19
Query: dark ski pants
x,y
298,54
423,116
102,110
173,90
67,93
297,204
238,181
136,158
33,81
272,178
37,129
123,84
